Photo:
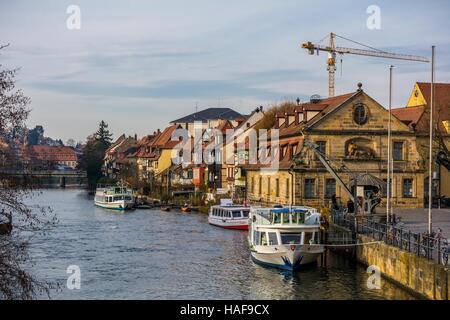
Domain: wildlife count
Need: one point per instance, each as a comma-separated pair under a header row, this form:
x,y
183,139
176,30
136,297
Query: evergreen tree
x,y
103,135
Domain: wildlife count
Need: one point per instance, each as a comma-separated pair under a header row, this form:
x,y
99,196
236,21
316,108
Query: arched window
x,y
360,114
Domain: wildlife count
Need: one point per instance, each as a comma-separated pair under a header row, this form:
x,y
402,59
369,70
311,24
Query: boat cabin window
x,y
291,238
118,198
237,214
245,213
263,239
276,217
286,218
273,240
298,217
128,198
308,238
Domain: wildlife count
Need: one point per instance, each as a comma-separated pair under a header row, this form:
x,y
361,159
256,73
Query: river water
x,y
149,254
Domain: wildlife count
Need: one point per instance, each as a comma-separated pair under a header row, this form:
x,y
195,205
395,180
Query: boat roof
x,y
232,206
286,209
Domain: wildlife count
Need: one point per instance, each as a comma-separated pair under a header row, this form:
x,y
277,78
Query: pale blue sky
x,y
140,64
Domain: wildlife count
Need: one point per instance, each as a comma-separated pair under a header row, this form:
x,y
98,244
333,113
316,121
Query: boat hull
x,y
288,257
117,205
236,224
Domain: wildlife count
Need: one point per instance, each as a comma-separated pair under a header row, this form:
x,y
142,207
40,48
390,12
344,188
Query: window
x,y
407,188
287,188
252,182
236,214
257,238
310,188
263,239
290,238
260,186
277,187
308,237
268,186
321,147
276,217
397,152
330,188
273,240
245,213
286,218
360,114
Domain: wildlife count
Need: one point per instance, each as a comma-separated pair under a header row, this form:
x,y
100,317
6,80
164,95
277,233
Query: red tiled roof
x,y
165,136
53,153
441,104
410,115
332,103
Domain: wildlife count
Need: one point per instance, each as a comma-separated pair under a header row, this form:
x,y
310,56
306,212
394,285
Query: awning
x,y
366,179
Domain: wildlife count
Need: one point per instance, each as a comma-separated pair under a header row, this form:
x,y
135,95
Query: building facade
x,y
351,132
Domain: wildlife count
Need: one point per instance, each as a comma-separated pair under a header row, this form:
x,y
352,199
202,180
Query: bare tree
x,y
18,221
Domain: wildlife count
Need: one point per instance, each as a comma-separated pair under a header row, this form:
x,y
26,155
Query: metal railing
x,y
431,247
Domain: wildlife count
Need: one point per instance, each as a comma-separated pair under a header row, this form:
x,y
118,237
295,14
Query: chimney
x,y
135,136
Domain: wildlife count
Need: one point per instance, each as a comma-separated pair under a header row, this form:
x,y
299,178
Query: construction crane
x,y
333,51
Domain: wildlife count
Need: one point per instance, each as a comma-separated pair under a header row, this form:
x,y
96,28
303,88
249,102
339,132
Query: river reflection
x,y
149,254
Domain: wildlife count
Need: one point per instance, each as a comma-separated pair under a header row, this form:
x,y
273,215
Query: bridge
x,y
51,178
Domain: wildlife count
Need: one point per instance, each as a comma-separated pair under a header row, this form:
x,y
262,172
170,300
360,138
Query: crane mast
x,y
332,51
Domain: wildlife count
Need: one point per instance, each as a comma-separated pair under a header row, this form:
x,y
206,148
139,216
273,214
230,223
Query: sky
x,y
140,64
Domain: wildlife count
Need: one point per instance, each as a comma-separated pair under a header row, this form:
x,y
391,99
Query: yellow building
x,y
351,131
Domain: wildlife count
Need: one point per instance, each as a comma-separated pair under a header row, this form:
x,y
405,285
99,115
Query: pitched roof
x,y
165,136
441,104
324,107
332,104
410,115
211,114
53,153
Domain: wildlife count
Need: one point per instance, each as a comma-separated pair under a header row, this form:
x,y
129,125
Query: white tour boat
x,y
286,237
229,216
114,197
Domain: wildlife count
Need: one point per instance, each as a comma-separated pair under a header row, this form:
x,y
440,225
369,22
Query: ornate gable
x,y
361,113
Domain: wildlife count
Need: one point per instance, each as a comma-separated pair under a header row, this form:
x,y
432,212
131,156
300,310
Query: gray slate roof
x,y
210,114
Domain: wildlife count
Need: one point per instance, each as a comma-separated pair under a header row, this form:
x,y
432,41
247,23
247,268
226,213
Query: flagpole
x,y
389,153
430,167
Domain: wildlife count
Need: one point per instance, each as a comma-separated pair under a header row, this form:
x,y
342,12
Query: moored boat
x,y
114,197
286,238
185,209
229,216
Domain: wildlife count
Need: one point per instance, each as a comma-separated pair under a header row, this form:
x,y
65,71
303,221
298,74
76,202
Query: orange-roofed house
x,y
53,156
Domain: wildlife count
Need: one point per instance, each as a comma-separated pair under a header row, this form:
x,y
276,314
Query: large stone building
x,y
351,131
